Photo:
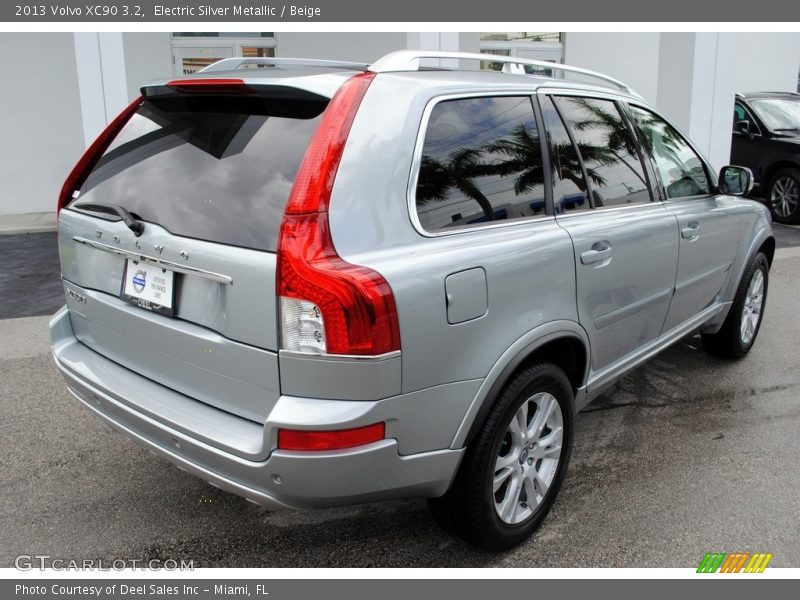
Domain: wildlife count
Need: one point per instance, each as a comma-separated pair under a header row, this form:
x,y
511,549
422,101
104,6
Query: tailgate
x,y
208,177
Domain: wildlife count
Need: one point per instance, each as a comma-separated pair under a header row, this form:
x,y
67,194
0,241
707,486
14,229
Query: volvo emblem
x,y
139,280
184,255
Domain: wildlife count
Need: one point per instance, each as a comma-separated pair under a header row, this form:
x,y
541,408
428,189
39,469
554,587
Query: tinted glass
x,y
681,170
739,113
569,186
213,169
608,149
481,163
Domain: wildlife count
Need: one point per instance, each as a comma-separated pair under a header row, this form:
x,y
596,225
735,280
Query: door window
x,y
682,171
569,186
481,163
609,151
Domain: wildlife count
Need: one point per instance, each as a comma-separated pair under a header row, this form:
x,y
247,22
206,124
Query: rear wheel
x,y
783,196
741,326
513,470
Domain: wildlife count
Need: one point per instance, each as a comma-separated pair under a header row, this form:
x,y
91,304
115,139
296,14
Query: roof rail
x,y
408,60
231,64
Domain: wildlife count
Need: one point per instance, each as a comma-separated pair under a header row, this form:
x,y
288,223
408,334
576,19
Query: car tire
x,y
741,326
526,461
783,196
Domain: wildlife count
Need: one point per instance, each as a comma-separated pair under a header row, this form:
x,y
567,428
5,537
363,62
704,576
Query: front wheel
x,y
513,469
741,326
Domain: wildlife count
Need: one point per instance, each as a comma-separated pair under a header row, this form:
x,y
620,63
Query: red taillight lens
x,y
200,86
356,303
77,177
314,180
297,439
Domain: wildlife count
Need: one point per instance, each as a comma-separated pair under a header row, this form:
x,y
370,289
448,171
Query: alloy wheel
x,y
751,311
528,458
784,197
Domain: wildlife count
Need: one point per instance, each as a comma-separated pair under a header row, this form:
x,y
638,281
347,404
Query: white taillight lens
x,y
302,328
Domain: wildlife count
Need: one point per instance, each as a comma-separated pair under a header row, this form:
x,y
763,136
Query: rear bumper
x,y
235,454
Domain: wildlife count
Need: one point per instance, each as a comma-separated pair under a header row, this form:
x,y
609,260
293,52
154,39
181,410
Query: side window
x,y
481,163
608,149
740,113
569,186
681,169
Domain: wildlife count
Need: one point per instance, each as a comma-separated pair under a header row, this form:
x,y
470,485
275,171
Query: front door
x,y
708,223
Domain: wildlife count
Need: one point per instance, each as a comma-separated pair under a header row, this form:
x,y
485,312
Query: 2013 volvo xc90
x,y
316,283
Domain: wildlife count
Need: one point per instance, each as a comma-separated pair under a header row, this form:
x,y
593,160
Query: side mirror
x,y
742,127
735,181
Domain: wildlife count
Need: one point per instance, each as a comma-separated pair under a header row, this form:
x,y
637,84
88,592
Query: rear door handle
x,y
691,231
600,251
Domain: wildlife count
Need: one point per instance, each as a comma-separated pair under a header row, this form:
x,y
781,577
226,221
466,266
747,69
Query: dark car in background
x,y
766,138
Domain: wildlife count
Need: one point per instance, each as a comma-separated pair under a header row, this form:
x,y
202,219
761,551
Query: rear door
x,y
708,222
625,245
190,303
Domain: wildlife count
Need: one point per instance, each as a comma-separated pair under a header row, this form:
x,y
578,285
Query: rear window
x,y
210,168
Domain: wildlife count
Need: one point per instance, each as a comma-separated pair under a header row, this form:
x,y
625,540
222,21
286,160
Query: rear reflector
x,y
297,439
201,86
77,177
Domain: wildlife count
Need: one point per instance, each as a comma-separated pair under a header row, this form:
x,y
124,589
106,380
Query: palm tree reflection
x,y
518,156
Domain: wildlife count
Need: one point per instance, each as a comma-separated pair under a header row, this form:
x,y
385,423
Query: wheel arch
x,y
769,172
564,343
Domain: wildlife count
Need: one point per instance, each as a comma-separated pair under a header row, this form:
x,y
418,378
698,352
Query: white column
x,y
101,79
435,40
696,88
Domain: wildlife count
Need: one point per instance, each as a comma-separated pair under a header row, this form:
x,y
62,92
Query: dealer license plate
x,y
149,286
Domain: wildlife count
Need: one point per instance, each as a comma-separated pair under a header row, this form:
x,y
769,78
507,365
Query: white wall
x,y
629,57
767,62
40,119
361,47
147,56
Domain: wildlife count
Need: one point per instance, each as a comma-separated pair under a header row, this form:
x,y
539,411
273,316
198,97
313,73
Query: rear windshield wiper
x,y
788,129
137,227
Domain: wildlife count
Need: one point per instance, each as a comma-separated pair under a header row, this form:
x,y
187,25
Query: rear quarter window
x,y
481,163
215,169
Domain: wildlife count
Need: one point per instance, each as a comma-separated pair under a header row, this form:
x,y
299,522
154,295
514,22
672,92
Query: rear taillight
x,y
77,177
328,305
299,439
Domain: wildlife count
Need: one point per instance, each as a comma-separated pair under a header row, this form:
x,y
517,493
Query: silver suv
x,y
315,283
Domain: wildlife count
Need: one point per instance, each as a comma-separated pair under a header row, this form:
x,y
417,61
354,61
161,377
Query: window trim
x,y
713,184
620,102
416,161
